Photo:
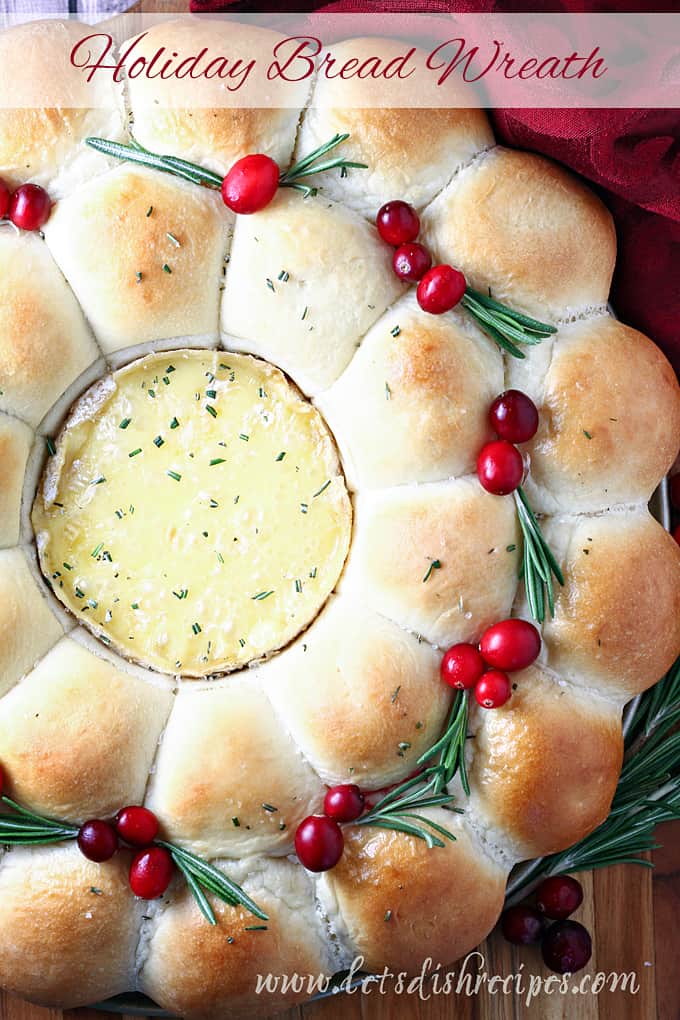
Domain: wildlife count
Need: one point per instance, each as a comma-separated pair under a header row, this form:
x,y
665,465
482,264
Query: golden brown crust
x,y
16,440
545,765
78,736
177,292
516,222
68,927
617,619
402,902
420,387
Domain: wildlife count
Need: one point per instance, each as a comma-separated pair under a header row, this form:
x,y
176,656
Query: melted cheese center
x,y
194,514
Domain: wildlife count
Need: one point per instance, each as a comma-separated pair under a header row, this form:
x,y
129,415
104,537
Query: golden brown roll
x,y
78,736
515,222
420,387
45,343
68,927
306,279
16,440
609,407
28,627
156,268
410,153
402,903
544,765
439,559
361,698
229,781
617,619
44,143
193,969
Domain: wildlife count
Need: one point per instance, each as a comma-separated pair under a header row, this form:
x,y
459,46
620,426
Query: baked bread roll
x,y
16,440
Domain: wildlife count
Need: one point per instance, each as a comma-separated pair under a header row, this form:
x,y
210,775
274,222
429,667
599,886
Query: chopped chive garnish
x,y
166,268
152,394
174,475
135,452
138,276
434,565
51,448
166,380
388,392
158,441
587,434
196,628
241,642
149,210
211,394
125,422
169,369
322,489
97,549
256,927
211,410
98,481
395,331
298,585
510,548
174,423
172,239
281,455
134,605
67,566
217,460
213,504
312,572
244,437
304,507
270,284
235,822
220,557
261,595
283,276
395,694
269,807
79,594
304,314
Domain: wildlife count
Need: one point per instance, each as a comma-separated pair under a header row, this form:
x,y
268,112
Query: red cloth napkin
x,y
632,157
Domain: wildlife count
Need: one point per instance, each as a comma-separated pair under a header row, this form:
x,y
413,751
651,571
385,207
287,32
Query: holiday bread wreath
x,y
173,510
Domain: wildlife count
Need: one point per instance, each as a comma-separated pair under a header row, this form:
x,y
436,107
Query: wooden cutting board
x,y
632,914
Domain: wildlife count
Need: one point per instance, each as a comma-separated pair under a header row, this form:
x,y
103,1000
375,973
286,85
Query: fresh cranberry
x,y
461,666
514,417
559,896
440,289
137,825
674,485
151,872
410,262
397,223
522,925
251,184
510,645
29,207
344,803
500,467
319,843
493,689
566,947
4,198
97,840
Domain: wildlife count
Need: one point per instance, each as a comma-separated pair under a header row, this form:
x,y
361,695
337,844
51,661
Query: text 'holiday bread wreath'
x,y
174,508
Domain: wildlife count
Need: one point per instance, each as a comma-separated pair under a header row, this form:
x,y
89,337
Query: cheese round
x,y
194,514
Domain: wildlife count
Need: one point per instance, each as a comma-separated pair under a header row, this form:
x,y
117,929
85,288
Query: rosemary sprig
x,y
195,174
647,794
502,324
539,566
399,808
24,828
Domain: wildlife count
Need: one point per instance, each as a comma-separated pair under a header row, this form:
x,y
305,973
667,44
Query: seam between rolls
x,y
161,736
477,157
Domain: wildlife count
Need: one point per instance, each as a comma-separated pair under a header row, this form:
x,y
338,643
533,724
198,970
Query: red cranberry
x,y
440,289
493,690
461,666
559,896
29,207
151,872
514,417
566,947
344,803
97,840
251,184
510,645
137,825
411,261
4,198
674,486
499,467
522,925
319,843
397,223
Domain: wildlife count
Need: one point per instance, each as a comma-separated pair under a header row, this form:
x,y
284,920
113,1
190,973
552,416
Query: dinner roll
x,y
143,252
609,407
617,619
228,779
305,281
28,628
402,902
361,698
194,969
68,926
45,343
412,406
410,154
77,735
439,559
545,765
527,229
207,131
16,440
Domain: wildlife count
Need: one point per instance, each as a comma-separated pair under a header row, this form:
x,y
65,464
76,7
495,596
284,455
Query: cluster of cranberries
x,y
28,207
151,869
505,647
566,945
514,419
440,288
318,840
